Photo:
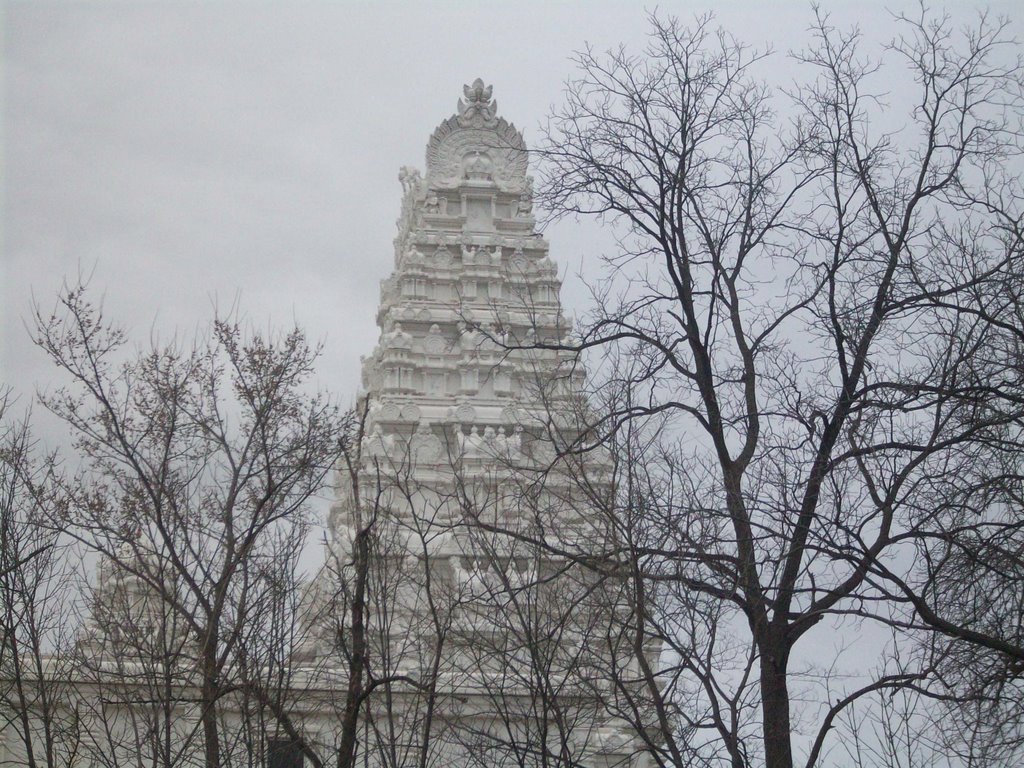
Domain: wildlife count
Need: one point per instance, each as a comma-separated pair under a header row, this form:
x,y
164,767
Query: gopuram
x,y
465,509
459,618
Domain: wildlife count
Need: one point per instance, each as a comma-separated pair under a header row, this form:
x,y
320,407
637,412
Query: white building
x,y
485,642
471,395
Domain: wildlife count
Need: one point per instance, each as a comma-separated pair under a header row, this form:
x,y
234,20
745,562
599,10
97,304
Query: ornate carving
x,y
442,256
411,185
435,343
479,109
426,445
492,443
398,339
524,209
469,337
410,179
436,204
475,160
477,166
390,412
476,135
413,255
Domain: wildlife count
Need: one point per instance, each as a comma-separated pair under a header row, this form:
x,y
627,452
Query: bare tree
x,y
199,468
369,632
436,641
811,335
136,671
37,605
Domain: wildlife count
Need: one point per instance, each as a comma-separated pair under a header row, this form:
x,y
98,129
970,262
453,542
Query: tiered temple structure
x,y
453,624
498,645
472,289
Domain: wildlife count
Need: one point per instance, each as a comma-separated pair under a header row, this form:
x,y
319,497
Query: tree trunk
x,y
778,751
353,698
208,696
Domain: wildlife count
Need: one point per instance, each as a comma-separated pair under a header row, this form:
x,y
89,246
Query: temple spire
x,y
479,109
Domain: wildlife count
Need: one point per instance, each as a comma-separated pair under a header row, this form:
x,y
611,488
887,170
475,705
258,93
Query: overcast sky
x,y
191,153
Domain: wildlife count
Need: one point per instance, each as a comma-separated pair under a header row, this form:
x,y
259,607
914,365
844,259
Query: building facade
x,y
479,503
455,622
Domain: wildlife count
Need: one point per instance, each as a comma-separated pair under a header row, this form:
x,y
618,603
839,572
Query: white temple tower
x,y
472,283
491,638
459,614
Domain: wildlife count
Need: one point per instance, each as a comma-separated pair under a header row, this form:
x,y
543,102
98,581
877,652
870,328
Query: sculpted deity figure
x,y
410,179
413,254
524,208
501,441
436,204
516,440
399,338
477,165
377,442
469,338
471,442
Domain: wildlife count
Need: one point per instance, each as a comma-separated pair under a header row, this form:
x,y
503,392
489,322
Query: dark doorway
x,y
283,753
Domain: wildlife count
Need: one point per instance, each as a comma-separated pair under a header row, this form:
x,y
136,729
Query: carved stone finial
x,y
475,147
478,109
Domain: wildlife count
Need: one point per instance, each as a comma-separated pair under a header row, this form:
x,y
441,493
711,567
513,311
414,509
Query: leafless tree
x,y
37,605
437,641
810,333
369,632
199,468
136,671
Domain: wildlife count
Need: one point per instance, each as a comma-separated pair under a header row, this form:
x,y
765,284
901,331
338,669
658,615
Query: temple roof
x,y
475,135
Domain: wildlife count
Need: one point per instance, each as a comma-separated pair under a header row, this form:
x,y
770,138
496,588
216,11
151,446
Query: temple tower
x,y
468,398
472,287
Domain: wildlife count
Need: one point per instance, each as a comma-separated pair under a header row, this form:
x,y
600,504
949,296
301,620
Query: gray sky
x,y
191,153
